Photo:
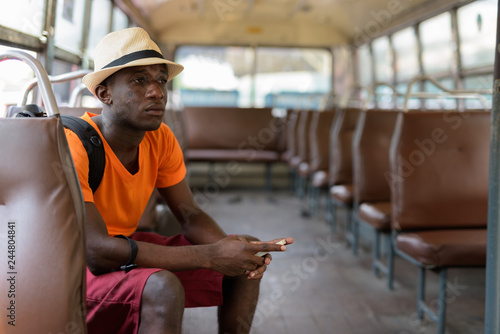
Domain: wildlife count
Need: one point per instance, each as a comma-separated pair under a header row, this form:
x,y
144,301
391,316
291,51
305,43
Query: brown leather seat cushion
x,y
320,179
446,248
377,214
342,193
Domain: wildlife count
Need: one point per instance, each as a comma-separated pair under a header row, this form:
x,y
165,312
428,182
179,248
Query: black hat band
x,y
134,56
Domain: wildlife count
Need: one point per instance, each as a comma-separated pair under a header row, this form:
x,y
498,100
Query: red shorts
x,y
114,299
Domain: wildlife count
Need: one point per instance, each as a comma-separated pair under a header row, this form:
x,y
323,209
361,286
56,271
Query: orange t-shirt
x,y
122,197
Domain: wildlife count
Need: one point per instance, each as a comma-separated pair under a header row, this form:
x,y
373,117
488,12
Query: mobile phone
x,y
281,242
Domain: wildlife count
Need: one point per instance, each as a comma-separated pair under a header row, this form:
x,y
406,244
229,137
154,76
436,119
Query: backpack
x,y
89,136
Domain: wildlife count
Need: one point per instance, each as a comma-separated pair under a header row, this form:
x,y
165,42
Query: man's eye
x,y
162,81
139,80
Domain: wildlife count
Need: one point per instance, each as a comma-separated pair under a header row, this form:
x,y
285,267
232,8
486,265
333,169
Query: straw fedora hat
x,y
126,48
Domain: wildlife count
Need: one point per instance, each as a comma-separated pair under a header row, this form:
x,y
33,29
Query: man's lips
x,y
155,110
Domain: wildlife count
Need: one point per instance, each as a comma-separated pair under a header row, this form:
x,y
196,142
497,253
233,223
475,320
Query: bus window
x,y
120,19
23,15
406,53
365,68
478,82
437,48
343,78
382,57
223,76
292,77
14,75
69,24
62,90
477,29
440,103
413,103
99,22
385,97
214,76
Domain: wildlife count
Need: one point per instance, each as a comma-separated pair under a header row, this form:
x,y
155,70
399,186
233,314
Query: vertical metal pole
x,y
390,262
253,94
492,318
269,177
375,251
86,34
49,32
420,293
441,316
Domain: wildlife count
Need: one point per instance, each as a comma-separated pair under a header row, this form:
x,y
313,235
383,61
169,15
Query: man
x,y
138,282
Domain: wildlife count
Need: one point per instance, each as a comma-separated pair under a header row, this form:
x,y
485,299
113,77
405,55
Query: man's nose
x,y
155,90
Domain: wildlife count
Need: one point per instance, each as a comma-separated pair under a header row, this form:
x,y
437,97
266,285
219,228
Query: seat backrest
x,y
439,170
291,132
370,155
231,128
296,138
303,134
43,227
175,122
319,144
78,111
342,131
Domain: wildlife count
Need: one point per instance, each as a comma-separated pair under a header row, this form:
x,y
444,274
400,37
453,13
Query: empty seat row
x,y
418,178
224,134
439,195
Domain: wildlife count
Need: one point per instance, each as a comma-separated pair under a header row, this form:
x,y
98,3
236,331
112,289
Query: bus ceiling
x,y
278,22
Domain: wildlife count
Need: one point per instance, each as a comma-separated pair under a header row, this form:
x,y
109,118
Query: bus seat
x,y
292,144
372,194
175,122
302,153
231,129
305,144
319,145
292,135
43,224
341,136
439,194
290,132
247,135
319,155
340,168
78,111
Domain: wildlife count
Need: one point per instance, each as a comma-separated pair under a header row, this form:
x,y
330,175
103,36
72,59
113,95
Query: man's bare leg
x,y
162,304
240,299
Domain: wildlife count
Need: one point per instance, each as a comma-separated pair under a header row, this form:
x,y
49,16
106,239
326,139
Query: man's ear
x,y
103,94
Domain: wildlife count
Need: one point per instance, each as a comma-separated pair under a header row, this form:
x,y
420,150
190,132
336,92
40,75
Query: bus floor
x,y
318,286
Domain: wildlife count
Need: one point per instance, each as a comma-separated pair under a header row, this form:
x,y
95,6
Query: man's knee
x,y
164,292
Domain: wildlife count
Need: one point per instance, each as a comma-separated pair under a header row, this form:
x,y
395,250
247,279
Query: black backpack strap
x,y
93,145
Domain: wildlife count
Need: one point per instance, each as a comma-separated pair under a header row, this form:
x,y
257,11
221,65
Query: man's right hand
x,y
235,255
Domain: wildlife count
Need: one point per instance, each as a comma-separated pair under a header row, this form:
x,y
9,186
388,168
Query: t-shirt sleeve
x,y
81,162
172,169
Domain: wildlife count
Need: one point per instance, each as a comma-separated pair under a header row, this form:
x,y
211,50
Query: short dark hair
x,y
107,81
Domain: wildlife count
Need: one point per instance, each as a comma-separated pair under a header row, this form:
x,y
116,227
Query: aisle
x,y
318,287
